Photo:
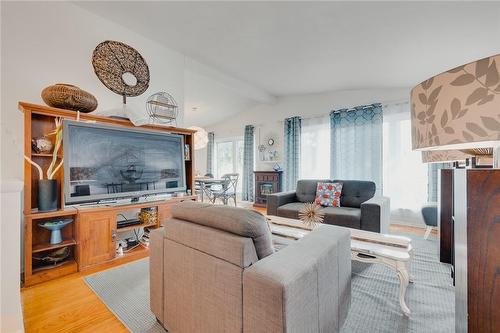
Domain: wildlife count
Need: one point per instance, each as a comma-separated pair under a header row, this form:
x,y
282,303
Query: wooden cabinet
x,y
477,250
96,237
445,209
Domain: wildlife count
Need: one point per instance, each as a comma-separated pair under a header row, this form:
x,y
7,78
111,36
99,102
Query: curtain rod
x,y
400,102
320,115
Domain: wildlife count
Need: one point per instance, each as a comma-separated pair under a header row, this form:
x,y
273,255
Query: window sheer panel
x,y
315,148
405,176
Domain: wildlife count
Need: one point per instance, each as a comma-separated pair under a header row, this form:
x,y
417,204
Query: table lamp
x,y
459,109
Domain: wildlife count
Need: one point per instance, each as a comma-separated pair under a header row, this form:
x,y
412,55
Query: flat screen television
x,y
103,162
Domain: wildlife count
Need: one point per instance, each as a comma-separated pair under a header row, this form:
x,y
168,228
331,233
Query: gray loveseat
x,y
359,207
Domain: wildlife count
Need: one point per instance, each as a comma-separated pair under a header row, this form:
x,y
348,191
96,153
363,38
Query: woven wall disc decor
x,y
121,68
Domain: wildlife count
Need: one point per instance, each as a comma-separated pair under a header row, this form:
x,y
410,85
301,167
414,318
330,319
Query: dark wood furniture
x,y
477,250
91,236
266,182
445,213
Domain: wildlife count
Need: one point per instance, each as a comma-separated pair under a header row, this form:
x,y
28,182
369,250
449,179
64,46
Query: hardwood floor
x,y
68,305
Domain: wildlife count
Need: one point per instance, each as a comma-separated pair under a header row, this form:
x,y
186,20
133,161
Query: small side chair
x,y
429,213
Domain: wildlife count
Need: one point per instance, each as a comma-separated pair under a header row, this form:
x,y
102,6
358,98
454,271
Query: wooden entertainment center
x,y
91,237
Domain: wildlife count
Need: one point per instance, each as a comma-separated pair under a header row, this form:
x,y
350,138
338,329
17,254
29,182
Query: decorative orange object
x,y
67,96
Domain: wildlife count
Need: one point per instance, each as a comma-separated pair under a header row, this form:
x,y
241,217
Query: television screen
x,y
106,162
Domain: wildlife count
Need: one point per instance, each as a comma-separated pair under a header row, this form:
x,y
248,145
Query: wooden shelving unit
x,y
48,247
91,236
132,227
56,213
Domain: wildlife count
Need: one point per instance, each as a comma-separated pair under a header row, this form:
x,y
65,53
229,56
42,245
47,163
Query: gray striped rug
x,y
374,303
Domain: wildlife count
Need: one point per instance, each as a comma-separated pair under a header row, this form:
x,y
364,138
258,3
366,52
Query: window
x,y
405,176
315,148
405,179
229,158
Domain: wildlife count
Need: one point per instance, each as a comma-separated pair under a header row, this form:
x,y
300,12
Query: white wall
x,y
269,117
11,317
49,42
43,44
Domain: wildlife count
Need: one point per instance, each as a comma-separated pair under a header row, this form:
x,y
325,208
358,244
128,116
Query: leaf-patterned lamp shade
x,y
439,156
458,109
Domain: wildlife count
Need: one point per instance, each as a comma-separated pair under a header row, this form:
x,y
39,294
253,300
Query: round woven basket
x,y
67,96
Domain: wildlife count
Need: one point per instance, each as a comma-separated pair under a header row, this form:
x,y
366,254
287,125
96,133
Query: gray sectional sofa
x,y
359,207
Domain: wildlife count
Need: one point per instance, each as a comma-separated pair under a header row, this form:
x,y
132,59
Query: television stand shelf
x,y
46,247
90,240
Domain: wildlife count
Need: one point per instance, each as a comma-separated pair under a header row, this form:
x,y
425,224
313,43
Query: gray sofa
x,y
359,207
214,269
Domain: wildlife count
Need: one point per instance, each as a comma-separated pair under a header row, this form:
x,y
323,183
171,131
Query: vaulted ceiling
x,y
286,48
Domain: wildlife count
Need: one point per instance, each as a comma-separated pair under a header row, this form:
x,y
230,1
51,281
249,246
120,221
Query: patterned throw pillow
x,y
328,194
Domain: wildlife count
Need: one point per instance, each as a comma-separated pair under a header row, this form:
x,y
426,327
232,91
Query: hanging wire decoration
x,y
121,69
162,108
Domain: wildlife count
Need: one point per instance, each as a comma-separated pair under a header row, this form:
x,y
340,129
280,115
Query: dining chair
x,y
227,189
198,186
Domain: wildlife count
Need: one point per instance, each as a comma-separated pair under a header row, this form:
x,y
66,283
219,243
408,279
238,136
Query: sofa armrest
x,y
156,241
279,199
303,287
375,214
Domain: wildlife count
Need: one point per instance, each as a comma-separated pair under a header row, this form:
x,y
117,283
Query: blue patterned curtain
x,y
210,152
432,179
248,154
356,144
292,152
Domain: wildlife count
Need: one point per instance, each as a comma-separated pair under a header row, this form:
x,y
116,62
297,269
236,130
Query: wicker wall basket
x,y
121,68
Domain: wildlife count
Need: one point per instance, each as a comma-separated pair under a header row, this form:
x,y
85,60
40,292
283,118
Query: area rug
x,y
374,300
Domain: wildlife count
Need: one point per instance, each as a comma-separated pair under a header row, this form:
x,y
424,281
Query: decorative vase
x,y
67,96
47,195
55,229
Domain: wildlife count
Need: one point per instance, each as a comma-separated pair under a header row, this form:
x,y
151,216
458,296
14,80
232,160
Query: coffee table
x,y
392,251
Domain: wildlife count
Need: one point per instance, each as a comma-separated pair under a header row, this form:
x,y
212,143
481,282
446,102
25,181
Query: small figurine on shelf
x,y
41,145
119,251
187,153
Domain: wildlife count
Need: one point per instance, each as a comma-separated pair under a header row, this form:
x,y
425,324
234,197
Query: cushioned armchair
x,y
359,207
214,269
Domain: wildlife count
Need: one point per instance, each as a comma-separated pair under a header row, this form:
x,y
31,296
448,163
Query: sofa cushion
x,y
306,189
290,210
343,216
328,194
239,221
355,192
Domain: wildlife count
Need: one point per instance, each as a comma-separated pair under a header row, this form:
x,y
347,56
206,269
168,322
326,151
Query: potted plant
x,y
47,187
